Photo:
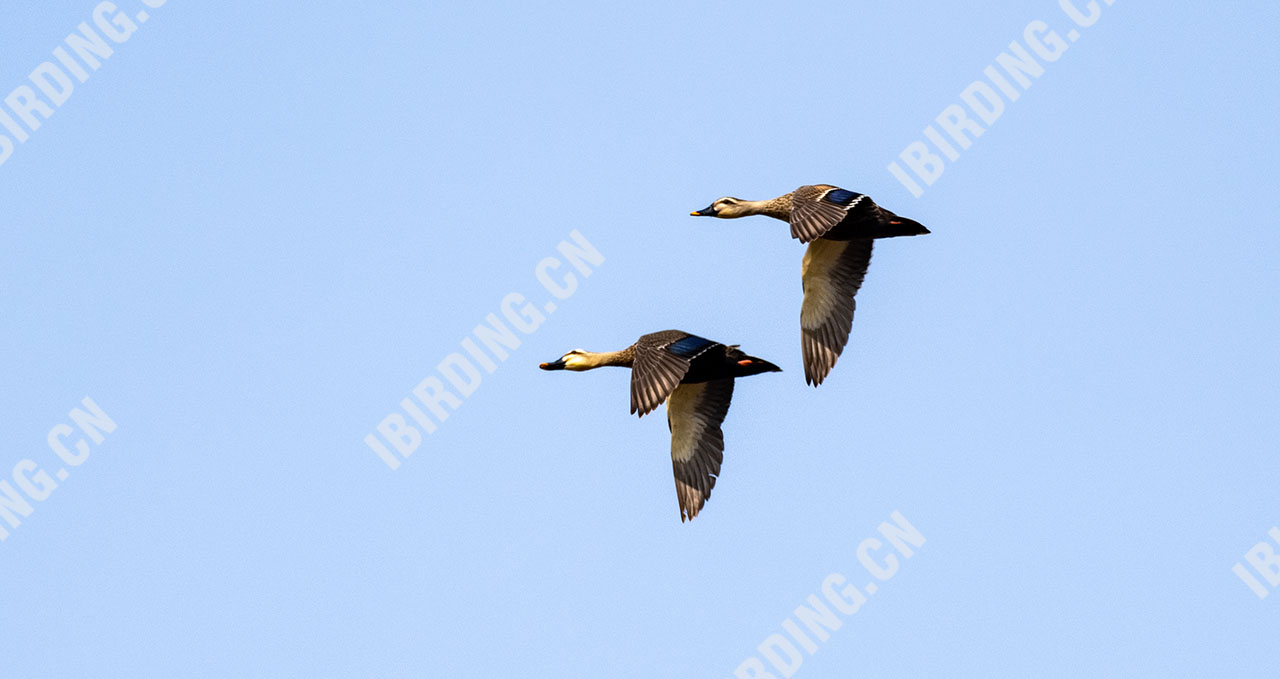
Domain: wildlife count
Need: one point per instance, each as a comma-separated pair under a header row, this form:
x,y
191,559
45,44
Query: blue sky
x,y
255,229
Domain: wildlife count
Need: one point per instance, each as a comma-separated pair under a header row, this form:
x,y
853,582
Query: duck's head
x,y
724,208
576,360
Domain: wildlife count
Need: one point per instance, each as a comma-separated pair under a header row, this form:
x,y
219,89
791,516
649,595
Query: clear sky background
x,y
257,227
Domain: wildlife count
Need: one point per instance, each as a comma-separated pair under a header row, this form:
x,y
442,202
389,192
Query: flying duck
x,y
695,376
840,227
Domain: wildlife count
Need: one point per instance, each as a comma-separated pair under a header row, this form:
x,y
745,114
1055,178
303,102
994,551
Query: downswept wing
x,y
832,272
815,210
654,375
694,414
661,361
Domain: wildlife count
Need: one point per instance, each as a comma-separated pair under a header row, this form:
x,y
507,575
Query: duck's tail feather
x,y
892,226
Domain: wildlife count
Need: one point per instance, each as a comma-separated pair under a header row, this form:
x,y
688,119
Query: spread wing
x,y
832,273
694,415
654,375
815,210
661,361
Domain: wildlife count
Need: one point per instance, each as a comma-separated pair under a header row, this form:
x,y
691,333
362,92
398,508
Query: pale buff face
x,y
577,360
724,208
729,208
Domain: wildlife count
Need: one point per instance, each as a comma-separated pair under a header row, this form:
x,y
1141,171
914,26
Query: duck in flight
x,y
840,227
695,377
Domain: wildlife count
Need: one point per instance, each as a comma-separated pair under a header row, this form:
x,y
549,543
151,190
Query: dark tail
x,y
891,226
750,365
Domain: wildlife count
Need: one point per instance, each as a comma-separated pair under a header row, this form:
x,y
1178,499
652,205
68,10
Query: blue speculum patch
x,y
689,346
841,196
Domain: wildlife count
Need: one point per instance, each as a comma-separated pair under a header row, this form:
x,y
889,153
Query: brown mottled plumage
x,y
840,227
695,377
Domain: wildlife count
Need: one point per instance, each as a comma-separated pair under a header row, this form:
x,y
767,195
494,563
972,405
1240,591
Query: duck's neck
x,y
620,359
778,208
